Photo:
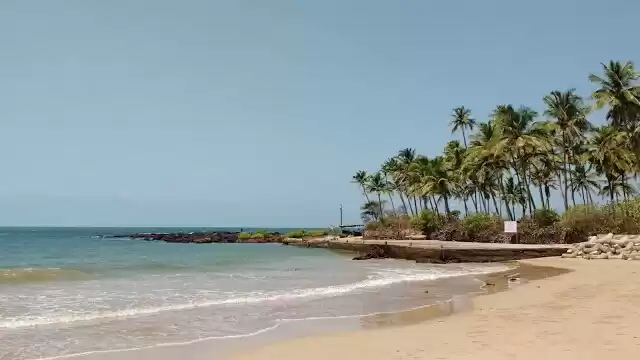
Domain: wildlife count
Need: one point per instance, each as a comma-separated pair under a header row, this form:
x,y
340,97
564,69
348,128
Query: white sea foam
x,y
383,278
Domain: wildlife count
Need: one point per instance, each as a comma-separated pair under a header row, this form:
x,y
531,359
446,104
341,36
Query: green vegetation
x,y
510,166
299,234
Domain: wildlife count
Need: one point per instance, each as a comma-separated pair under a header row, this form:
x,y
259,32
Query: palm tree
x,y
442,181
406,157
520,137
571,124
610,155
361,178
511,195
393,172
461,120
619,92
585,181
370,211
378,185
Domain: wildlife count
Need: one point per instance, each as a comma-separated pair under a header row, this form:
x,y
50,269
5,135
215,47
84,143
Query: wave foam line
x,y
296,294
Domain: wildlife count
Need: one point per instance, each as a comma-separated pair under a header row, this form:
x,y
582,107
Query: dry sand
x,y
589,313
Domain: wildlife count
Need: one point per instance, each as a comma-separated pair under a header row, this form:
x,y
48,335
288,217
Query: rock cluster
x,y
201,237
609,246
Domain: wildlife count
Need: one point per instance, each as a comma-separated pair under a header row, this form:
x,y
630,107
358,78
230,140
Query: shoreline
x,y
587,312
286,330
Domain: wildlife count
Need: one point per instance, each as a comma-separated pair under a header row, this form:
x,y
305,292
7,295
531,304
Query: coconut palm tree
x,y
520,137
585,181
619,92
461,120
378,185
571,125
610,155
361,177
370,211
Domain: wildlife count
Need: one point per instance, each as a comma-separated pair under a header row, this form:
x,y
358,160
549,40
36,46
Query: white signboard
x,y
511,227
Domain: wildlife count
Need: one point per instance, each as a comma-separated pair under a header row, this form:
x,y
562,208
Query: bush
x,y
393,226
582,221
545,217
298,234
254,235
529,232
478,222
426,222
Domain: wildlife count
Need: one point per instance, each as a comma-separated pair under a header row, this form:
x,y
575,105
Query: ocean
x,y
66,291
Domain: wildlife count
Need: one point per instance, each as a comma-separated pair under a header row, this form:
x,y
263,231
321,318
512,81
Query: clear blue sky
x,y
240,113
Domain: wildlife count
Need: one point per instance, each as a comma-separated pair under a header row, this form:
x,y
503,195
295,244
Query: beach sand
x,y
588,313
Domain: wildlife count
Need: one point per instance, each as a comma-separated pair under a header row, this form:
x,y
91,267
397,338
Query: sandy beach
x,y
588,313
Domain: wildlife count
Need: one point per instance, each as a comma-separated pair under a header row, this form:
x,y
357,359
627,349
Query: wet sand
x,y
587,313
462,302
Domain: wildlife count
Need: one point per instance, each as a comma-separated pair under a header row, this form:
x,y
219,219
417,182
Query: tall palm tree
x,y
569,111
406,158
378,185
461,120
520,137
391,171
361,177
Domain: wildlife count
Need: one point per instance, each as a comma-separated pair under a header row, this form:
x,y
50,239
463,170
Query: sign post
x,y
511,227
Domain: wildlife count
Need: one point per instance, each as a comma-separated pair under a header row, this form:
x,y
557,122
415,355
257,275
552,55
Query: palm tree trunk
x,y
381,208
475,204
364,191
541,195
532,205
404,204
547,192
446,204
410,207
464,138
393,206
495,204
504,198
466,209
435,204
565,193
415,204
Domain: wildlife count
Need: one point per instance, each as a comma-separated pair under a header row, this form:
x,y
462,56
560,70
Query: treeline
x,y
513,164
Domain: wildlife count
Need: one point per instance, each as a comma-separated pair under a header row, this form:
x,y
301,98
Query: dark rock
x,y
376,252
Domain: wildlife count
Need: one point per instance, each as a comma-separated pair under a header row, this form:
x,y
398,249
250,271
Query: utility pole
x,y
341,216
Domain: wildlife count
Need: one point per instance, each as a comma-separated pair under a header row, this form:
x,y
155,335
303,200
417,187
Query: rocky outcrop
x,y
376,252
202,237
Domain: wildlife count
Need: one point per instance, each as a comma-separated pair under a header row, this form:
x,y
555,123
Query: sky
x,y
258,113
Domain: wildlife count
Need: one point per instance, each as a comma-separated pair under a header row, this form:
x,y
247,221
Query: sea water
x,y
67,291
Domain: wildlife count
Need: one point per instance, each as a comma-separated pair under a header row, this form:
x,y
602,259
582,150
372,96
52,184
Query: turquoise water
x,y
66,291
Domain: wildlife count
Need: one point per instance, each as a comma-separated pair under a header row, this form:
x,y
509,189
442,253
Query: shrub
x,y
545,217
581,221
298,234
477,222
244,236
529,232
317,233
426,222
